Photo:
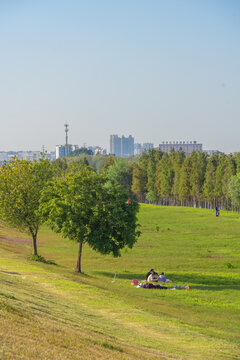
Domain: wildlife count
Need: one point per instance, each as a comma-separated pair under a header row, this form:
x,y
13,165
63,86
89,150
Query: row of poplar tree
x,y
197,180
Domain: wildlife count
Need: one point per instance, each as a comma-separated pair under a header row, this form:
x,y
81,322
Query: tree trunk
x,y
35,244
78,268
34,237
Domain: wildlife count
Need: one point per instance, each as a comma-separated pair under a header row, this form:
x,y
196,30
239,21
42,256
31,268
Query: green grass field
x,y
50,312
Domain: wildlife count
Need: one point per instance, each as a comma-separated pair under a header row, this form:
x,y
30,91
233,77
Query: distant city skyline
x,y
25,155
144,145
158,70
123,146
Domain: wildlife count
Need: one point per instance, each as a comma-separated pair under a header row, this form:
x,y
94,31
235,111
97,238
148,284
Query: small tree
x,y
86,208
21,183
152,197
121,173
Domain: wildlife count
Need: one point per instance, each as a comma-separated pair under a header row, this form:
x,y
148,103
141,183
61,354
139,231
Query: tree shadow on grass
x,y
10,272
203,279
41,259
82,275
216,287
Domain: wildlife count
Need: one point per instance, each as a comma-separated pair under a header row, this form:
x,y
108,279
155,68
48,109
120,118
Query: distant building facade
x,y
140,148
211,152
64,150
96,150
127,146
137,149
25,155
123,147
186,146
147,146
115,145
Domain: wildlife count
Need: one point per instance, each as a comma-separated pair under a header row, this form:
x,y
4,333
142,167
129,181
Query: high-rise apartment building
x,y
127,146
123,147
115,145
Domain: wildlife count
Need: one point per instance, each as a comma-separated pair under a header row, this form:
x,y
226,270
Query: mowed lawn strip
x,y
190,245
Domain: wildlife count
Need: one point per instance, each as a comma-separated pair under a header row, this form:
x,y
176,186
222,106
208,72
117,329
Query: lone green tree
x,y
21,183
87,208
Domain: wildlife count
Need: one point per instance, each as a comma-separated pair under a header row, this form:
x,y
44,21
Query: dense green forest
x,y
198,180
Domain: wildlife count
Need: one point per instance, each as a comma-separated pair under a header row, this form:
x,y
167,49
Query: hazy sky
x,y
156,69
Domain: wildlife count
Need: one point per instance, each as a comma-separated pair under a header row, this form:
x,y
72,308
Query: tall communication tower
x,y
66,131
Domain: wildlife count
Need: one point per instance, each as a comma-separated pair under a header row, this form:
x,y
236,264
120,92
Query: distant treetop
x,y
82,150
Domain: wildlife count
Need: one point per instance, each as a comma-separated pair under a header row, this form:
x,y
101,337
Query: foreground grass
x,y
49,312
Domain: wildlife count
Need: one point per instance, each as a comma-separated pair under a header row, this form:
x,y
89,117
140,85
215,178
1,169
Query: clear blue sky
x,y
156,69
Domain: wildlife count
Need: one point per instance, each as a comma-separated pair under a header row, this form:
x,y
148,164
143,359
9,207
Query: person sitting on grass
x,y
152,276
162,278
149,273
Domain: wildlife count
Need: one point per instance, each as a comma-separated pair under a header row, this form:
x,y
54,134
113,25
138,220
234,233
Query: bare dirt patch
x,y
15,240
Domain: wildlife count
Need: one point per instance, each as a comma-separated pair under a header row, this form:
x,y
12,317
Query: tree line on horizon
x,y
197,180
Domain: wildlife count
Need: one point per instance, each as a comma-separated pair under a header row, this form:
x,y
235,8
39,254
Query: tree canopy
x,y
21,183
196,179
234,188
82,150
88,208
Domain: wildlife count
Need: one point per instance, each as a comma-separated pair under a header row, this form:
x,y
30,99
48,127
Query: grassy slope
x,y
49,312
